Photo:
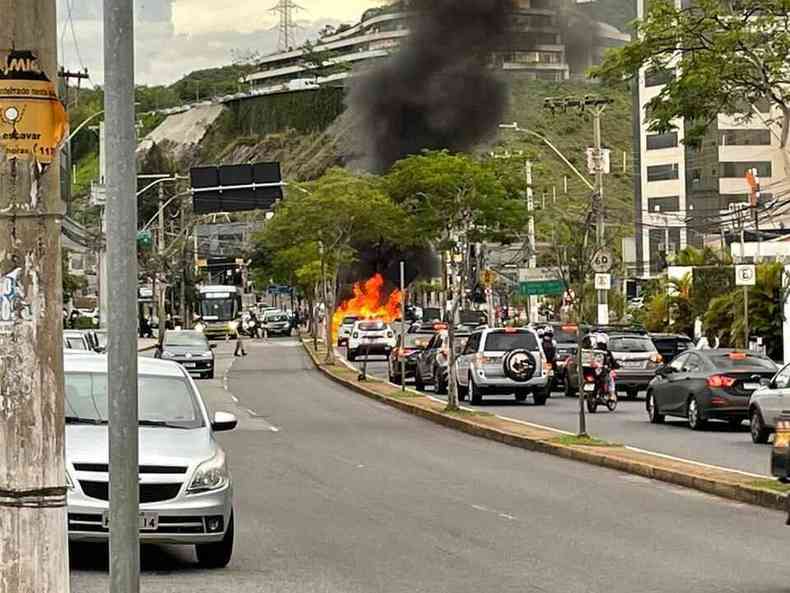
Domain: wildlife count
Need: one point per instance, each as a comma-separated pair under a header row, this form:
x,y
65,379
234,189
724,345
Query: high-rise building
x,y
684,194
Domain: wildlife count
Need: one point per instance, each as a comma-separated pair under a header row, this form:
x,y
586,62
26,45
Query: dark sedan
x,y
704,385
190,349
406,352
432,363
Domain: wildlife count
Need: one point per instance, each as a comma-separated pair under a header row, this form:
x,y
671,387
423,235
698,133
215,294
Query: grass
x,y
571,440
773,485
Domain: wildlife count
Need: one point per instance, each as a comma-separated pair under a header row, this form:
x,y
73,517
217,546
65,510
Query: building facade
x,y
684,194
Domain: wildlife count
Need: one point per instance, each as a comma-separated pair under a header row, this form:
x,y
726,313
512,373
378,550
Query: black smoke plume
x,y
438,91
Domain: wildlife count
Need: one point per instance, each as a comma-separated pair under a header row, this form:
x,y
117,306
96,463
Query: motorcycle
x,y
596,385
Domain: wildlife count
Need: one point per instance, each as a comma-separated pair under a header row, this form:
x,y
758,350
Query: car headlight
x,y
199,327
167,354
210,475
206,354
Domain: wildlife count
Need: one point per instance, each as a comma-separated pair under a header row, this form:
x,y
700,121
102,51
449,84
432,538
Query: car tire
x,y
521,396
474,393
210,374
217,555
632,393
735,423
652,409
540,396
568,389
760,433
351,355
419,384
462,391
439,384
693,415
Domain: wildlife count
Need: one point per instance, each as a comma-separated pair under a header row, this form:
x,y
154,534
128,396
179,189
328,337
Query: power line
x,y
285,9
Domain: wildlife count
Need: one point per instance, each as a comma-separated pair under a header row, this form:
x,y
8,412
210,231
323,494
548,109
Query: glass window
x,y
372,326
738,170
659,141
166,400
662,172
679,363
631,344
741,360
692,365
473,344
503,341
745,137
664,204
417,341
782,379
186,339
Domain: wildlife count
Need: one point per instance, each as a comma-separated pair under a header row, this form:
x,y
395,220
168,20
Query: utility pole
x,y
742,220
533,260
161,284
402,326
185,323
122,266
33,539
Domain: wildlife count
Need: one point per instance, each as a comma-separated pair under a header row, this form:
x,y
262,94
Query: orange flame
x,y
369,302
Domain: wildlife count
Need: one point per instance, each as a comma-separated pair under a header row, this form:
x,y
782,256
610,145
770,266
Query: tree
x,y
726,56
336,212
71,283
455,202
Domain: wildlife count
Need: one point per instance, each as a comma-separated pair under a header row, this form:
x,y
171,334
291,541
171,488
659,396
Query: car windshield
x,y
563,335
218,309
372,326
504,341
276,318
186,340
75,343
416,341
163,401
736,361
350,320
631,344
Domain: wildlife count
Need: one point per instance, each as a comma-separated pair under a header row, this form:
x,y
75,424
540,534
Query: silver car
x,y
767,404
503,361
186,493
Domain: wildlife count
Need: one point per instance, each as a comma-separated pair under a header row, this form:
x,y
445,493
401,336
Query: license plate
x,y
751,386
148,521
189,365
589,387
632,364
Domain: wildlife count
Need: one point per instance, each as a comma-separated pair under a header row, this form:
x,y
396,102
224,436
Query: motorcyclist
x,y
549,346
602,344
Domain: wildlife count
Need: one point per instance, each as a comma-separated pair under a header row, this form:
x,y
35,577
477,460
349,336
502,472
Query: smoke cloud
x,y
437,92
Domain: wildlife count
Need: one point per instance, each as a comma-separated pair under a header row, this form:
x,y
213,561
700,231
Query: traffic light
x,y
144,240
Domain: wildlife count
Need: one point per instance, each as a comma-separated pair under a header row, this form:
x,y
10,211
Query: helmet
x,y
548,332
601,339
540,332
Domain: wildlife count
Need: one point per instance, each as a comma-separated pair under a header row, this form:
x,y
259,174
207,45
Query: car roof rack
x,y
619,329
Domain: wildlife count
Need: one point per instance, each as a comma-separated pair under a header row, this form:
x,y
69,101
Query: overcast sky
x,y
174,37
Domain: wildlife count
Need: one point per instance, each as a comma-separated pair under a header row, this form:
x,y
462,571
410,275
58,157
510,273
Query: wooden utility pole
x,y
33,540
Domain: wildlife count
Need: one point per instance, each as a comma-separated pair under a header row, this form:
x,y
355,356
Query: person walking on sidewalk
x,y
240,351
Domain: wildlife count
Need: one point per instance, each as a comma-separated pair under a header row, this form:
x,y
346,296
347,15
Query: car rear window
x,y
502,341
736,361
629,344
416,341
186,340
349,320
372,326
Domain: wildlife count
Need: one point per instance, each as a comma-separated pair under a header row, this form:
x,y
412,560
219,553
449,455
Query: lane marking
x,y
501,515
697,463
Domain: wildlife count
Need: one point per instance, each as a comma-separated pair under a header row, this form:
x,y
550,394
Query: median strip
x,y
722,482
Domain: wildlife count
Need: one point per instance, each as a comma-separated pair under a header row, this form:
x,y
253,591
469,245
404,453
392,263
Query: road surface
x,y
340,494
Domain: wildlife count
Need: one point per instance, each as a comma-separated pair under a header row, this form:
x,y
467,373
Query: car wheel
x,y
540,396
693,414
632,393
652,410
419,384
760,433
217,555
521,396
439,384
474,392
735,423
568,390
351,355
461,390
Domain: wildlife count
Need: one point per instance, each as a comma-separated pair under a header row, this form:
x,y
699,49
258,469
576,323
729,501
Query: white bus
x,y
219,309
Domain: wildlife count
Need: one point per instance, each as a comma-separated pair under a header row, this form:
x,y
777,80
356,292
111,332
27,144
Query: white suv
x,y
370,336
503,361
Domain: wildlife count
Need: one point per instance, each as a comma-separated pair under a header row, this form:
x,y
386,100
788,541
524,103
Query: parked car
x,y
344,332
502,361
76,340
704,385
407,352
767,404
186,491
433,362
670,345
277,323
634,352
426,327
189,348
370,336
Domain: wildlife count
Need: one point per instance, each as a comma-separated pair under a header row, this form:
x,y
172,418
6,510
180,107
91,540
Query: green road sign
x,y
541,287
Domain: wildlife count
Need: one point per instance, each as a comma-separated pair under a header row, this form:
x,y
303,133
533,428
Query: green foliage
x,y
71,283
732,55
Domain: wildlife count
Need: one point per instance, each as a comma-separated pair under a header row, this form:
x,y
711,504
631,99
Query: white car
x,y
186,492
344,332
370,336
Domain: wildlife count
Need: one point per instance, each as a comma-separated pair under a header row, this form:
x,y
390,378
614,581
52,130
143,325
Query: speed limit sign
x,y
602,261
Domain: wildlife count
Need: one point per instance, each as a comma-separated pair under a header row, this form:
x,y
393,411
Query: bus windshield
x,y
224,309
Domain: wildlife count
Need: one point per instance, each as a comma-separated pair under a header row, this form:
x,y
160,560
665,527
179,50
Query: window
x,y
657,77
186,340
680,362
692,365
472,344
505,342
782,379
631,344
735,361
738,170
664,204
745,137
662,172
659,141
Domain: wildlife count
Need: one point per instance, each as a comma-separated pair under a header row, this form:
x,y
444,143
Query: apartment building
x,y
685,194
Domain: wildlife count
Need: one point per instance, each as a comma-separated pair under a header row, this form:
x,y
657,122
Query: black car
x,y
702,385
671,345
565,340
426,327
432,363
406,352
190,349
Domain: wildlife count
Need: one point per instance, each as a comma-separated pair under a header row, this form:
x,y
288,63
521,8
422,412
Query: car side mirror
x,y
665,370
212,346
223,421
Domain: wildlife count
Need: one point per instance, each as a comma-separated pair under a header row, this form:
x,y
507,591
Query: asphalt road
x,y
717,445
336,493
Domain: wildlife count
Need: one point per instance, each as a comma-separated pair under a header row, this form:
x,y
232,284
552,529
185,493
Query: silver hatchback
x,y
503,361
767,404
186,493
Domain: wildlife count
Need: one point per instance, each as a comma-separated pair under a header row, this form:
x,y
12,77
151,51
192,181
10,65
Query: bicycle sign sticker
x,y
12,300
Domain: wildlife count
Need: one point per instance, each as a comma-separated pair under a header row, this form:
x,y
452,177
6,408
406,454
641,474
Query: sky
x,y
175,37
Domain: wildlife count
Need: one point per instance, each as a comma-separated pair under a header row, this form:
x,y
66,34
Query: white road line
x,y
698,463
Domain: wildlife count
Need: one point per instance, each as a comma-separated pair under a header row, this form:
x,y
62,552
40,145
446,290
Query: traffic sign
x,y
536,274
602,261
542,287
488,277
603,281
745,275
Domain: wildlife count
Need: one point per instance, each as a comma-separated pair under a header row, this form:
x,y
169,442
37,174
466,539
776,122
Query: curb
x,y
729,489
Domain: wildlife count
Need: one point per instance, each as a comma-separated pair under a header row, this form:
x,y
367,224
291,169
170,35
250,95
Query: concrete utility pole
x,y
742,220
533,260
122,267
33,541
161,284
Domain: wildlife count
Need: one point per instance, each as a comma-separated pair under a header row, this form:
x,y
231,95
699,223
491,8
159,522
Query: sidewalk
x,y
145,344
